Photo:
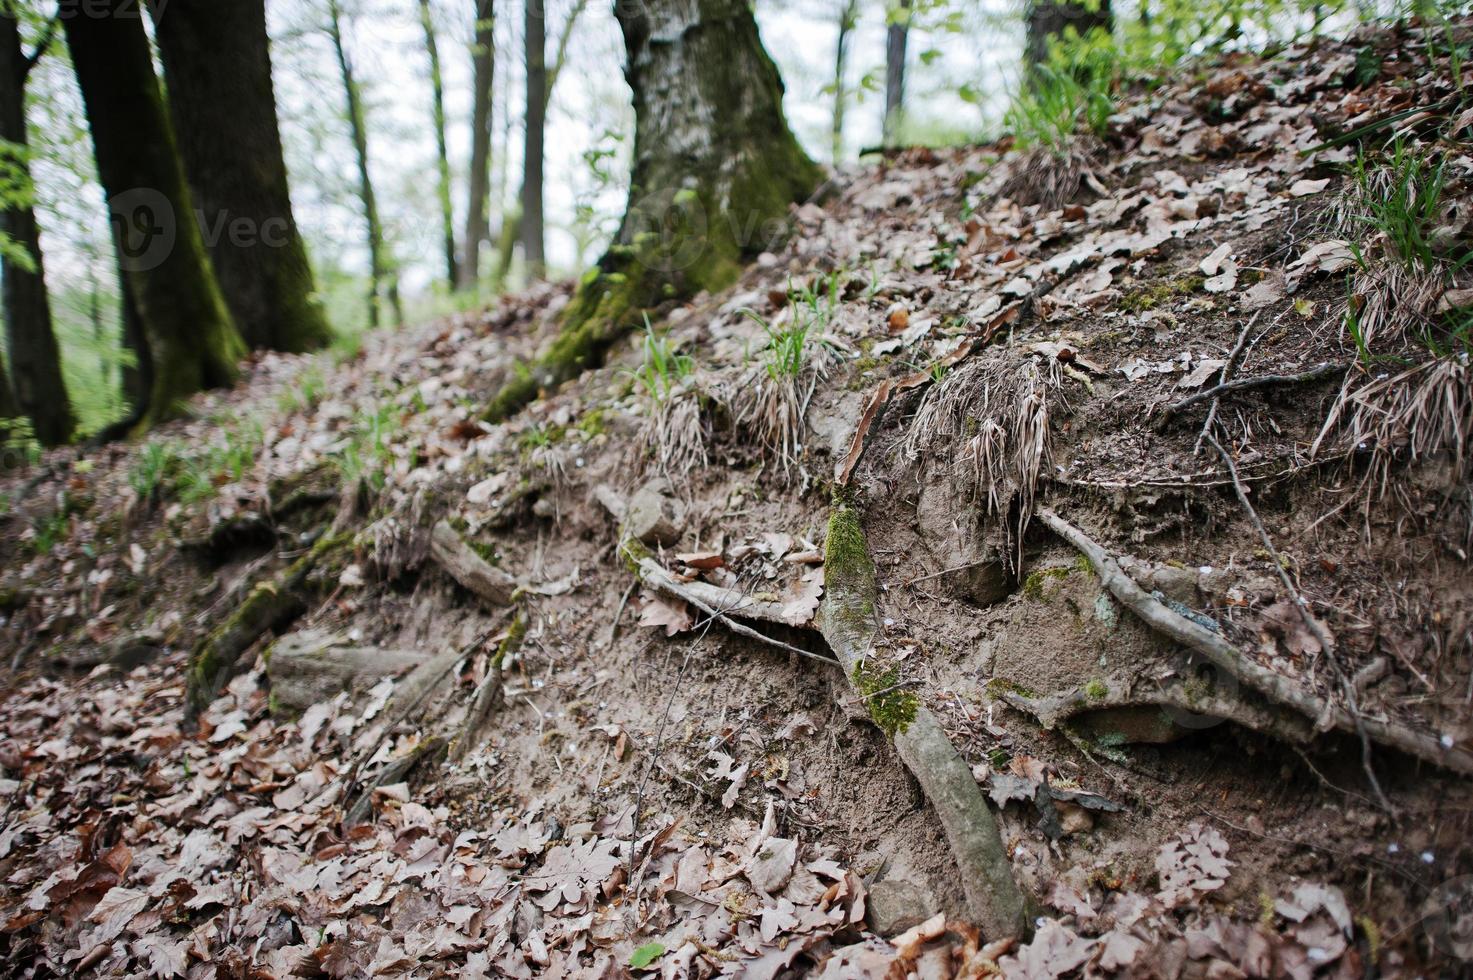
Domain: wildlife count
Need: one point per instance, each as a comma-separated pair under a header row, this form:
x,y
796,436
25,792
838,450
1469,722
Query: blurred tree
x,y
848,19
483,74
36,385
1050,19
897,36
716,169
381,275
190,339
437,88
534,37
217,65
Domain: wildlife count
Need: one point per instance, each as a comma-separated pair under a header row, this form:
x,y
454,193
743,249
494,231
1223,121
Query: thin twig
x,y
1310,623
619,613
1261,381
1226,375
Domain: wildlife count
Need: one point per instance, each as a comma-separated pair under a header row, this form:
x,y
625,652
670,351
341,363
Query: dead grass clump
x,y
1051,176
999,411
1411,332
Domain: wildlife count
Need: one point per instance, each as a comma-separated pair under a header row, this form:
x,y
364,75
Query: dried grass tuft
x,y
1051,176
999,410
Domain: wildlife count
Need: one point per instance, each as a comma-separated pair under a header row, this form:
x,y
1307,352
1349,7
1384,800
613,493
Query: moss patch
x,y
1155,294
891,707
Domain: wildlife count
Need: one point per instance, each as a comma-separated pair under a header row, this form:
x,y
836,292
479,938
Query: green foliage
x,y
1402,199
663,368
51,531
645,955
156,466
813,309
369,453
1072,92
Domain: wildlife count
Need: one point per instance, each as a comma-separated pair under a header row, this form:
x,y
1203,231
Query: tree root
x,y
1277,688
488,696
468,568
847,620
429,750
269,606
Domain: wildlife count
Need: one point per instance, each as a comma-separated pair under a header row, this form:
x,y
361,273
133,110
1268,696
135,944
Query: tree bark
x,y
848,19
9,409
437,87
897,37
483,74
380,275
35,361
217,65
190,338
533,228
716,169
1049,20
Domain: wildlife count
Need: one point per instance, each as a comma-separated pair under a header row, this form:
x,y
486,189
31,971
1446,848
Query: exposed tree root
x,y
269,606
848,623
468,568
1223,655
488,696
400,769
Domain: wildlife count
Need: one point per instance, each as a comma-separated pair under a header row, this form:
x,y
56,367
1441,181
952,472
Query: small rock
x,y
896,905
654,518
1176,583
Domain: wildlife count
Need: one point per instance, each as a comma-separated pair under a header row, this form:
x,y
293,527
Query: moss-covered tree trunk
x,y
35,361
192,341
715,170
217,64
1050,20
483,74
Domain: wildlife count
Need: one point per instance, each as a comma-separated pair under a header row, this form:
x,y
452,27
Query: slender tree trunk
x,y
1048,20
217,65
437,86
848,18
533,229
379,272
190,338
896,39
716,169
483,75
513,230
35,361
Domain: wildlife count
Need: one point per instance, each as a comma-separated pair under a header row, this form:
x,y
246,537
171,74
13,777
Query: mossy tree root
x,y
847,620
269,606
488,696
1274,686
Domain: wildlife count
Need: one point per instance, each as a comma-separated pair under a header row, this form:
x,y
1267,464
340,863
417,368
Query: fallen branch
x,y
1241,384
468,568
1222,654
395,772
848,623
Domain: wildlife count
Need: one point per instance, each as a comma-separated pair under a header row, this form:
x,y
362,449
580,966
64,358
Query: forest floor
x,y
461,738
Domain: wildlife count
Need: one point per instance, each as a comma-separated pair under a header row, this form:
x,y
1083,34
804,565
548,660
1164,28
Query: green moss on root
x,y
891,707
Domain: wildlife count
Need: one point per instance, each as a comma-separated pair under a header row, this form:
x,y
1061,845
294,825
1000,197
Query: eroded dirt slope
x,y
652,792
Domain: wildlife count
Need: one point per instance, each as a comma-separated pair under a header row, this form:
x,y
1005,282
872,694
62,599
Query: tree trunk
x,y
379,273
896,39
848,18
186,326
8,407
437,86
35,362
217,65
1049,20
715,171
511,229
138,376
533,230
483,75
